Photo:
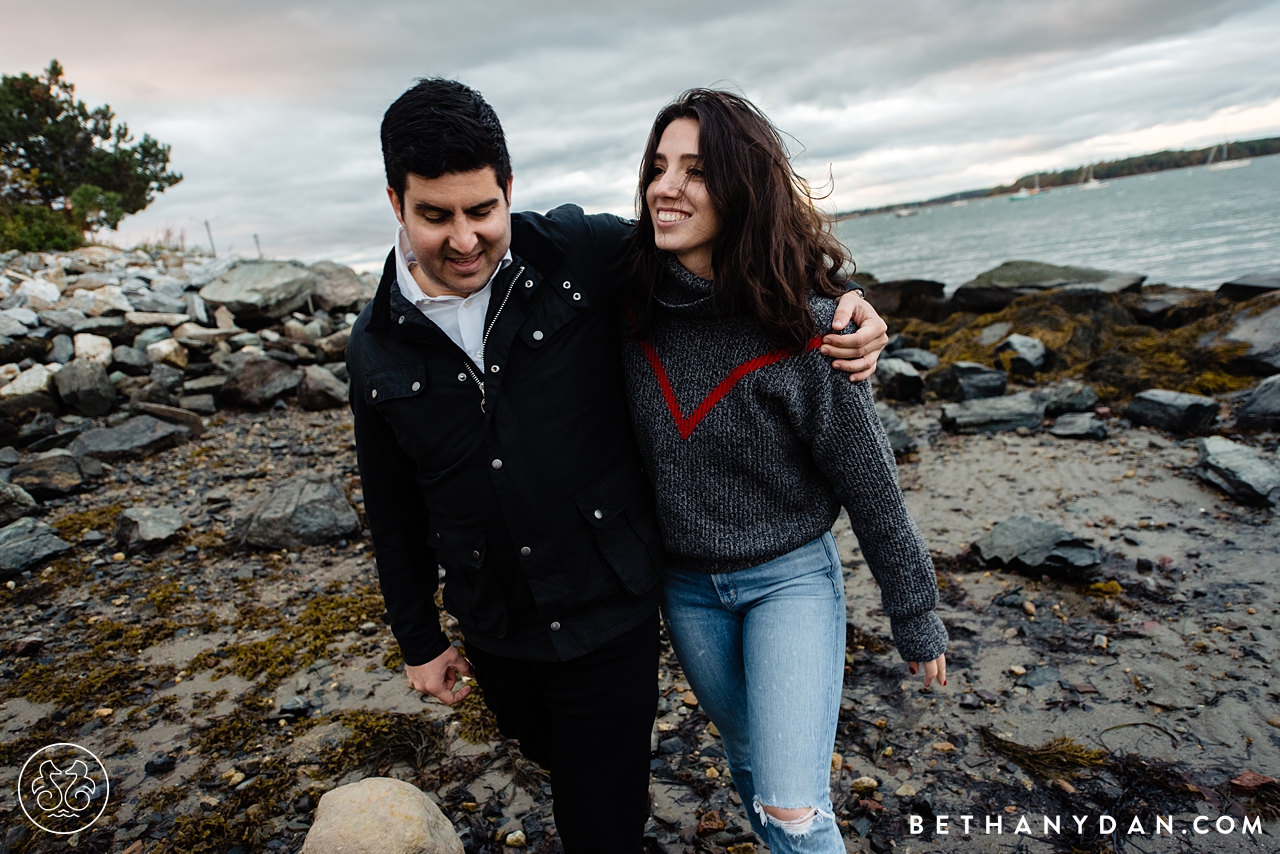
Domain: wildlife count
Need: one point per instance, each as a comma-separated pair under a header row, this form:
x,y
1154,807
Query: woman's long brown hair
x,y
774,245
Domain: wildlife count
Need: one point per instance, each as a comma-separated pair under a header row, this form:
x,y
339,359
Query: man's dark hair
x,y
440,127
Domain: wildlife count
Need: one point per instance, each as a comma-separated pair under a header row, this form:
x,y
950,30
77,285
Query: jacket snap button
x,y
599,514
567,286
555,627
476,555
526,551
373,393
577,296
401,320
528,283
496,464
417,386
493,369
462,378
537,335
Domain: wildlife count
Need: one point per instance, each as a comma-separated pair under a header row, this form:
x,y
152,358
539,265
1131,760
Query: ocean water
x,y
1186,227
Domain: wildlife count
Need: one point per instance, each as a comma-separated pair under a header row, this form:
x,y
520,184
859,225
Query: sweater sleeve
x,y
838,419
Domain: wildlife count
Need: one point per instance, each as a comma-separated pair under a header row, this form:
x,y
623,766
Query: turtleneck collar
x,y
681,290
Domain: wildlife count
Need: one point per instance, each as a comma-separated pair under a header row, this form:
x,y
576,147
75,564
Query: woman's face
x,y
684,220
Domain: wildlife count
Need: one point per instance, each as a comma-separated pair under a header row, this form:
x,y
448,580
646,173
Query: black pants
x,y
587,721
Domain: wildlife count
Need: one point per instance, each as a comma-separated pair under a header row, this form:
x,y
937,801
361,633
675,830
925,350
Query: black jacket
x,y
535,505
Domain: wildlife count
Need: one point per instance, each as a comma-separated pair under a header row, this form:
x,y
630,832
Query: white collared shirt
x,y
461,318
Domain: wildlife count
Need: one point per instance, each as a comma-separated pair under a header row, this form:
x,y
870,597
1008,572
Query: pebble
x,y
1100,641
1029,607
515,839
1064,786
689,699
1018,670
865,784
906,790
943,747
1274,721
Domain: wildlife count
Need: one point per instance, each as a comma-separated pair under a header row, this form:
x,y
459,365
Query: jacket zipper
x,y
484,342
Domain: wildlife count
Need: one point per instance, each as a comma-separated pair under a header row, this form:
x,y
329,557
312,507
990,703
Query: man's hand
x,y
934,671
858,351
440,675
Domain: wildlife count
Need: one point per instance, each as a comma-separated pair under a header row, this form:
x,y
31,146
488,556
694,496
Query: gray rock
x,y
204,385
334,347
380,815
320,389
1036,547
996,288
1172,411
307,509
172,414
968,381
338,288
141,528
63,349
261,291
1262,409
11,328
1249,286
256,382
1242,472
1262,333
114,328
1079,425
15,502
921,360
201,403
994,414
904,296
131,361
339,370
54,474
150,336
166,382
152,300
136,438
9,457
27,543
61,320
900,439
994,333
1069,396
899,380
1028,354
245,339
83,385
312,746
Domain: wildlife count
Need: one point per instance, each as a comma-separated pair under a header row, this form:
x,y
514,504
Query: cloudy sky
x,y
272,108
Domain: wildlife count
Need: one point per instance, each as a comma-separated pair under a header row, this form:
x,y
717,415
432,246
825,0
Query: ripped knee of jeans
x,y
798,826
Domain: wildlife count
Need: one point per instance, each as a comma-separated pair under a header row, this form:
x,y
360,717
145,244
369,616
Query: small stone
x,y
712,773
1064,786
689,699
1100,641
32,645
141,528
368,629
169,352
837,762
235,778
906,790
160,763
1027,354
118,557
943,747
863,785
1029,607
95,348
515,839
15,502
320,389
103,713
1274,721
1018,670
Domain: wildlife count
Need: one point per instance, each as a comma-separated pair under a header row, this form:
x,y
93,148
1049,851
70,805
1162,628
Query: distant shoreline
x,y
1143,164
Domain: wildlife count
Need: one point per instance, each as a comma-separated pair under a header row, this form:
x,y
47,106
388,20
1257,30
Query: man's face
x,y
459,227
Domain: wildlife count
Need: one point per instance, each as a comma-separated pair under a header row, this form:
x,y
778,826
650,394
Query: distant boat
x,y
1092,183
901,212
959,203
1225,163
1024,193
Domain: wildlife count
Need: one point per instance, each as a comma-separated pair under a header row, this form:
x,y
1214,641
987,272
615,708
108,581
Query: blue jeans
x,y
763,649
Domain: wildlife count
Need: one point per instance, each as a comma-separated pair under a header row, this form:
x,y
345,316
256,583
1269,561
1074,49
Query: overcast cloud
x,y
272,108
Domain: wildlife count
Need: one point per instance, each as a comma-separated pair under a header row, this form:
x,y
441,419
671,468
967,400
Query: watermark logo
x,y
63,788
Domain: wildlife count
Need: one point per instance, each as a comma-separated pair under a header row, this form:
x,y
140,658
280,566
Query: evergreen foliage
x,y
66,169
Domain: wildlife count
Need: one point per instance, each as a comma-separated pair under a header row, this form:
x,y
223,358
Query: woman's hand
x,y
857,352
934,671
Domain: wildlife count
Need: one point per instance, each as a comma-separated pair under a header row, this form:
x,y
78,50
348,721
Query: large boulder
x,y
996,288
55,473
899,380
994,414
380,815
1261,331
27,543
304,510
921,360
900,438
320,389
1242,472
968,381
1250,285
83,385
255,381
1069,396
139,437
1027,354
339,288
1172,411
15,503
1261,411
906,297
1036,547
141,528
260,292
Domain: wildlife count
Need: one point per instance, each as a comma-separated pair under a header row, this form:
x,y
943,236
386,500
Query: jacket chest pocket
x,y
552,311
621,516
395,383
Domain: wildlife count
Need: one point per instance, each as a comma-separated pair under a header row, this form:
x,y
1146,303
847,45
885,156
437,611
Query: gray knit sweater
x,y
752,450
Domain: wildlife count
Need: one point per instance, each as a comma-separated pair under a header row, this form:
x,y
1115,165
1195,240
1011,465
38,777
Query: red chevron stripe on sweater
x,y
687,424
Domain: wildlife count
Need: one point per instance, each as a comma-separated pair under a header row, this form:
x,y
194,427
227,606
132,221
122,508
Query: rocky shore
x,y
189,591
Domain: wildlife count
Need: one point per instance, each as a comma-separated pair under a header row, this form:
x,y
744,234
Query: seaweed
x,y
1057,759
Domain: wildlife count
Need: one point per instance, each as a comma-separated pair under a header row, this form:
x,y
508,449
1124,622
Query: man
x,y
493,440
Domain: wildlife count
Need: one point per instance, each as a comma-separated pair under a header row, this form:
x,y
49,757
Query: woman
x,y
753,444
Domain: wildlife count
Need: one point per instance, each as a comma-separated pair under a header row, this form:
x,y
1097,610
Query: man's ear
x,y
510,180
397,204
